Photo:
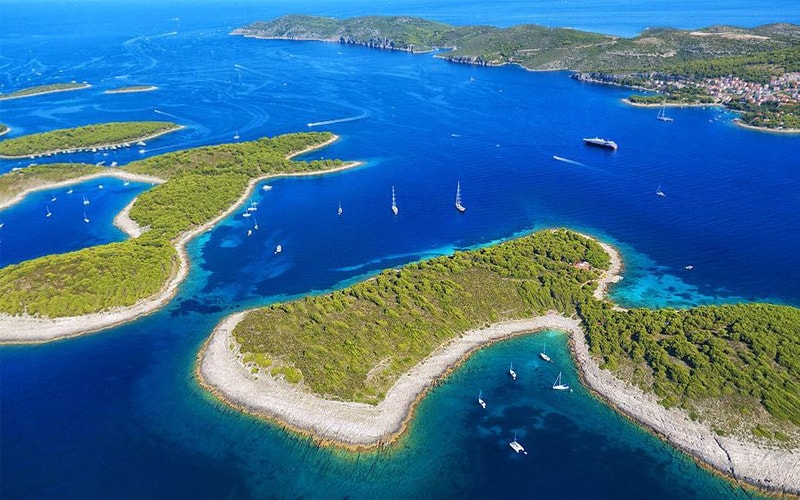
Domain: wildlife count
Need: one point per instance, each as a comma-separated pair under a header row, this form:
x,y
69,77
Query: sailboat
x,y
558,385
236,136
512,372
459,206
253,206
85,200
480,400
544,355
69,191
278,249
48,214
516,446
659,192
339,210
53,198
662,114
85,219
255,225
394,203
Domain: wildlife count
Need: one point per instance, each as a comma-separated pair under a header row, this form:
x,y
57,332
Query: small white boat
x,y
689,267
85,200
558,385
48,214
544,355
394,203
246,214
339,210
53,198
512,372
255,225
142,151
69,191
85,219
253,206
141,143
126,183
236,136
480,400
100,186
659,192
459,206
249,232
266,187
278,249
516,446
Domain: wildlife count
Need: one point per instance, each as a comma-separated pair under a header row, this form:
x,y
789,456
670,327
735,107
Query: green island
x,y
83,138
44,89
736,366
13,184
752,70
199,186
131,89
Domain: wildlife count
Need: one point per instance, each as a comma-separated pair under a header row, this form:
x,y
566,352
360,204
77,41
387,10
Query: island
x,y
63,295
87,138
131,89
347,368
751,70
44,89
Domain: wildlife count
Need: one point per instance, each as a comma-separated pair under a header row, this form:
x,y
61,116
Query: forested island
x,y
753,70
104,135
44,89
197,187
733,370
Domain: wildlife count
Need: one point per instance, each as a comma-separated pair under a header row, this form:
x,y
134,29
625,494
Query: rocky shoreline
x,y
360,426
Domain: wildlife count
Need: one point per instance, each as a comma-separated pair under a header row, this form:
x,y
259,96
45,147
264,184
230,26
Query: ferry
x,y
604,143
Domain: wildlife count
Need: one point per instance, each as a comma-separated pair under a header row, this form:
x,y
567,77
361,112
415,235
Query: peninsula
x,y
87,138
349,367
751,70
91,289
44,89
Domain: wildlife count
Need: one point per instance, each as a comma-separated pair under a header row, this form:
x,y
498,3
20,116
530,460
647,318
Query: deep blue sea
x,y
118,414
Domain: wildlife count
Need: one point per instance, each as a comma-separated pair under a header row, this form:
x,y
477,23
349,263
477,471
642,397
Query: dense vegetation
x,y
80,138
201,185
89,280
17,181
44,89
354,343
535,47
735,366
770,115
746,356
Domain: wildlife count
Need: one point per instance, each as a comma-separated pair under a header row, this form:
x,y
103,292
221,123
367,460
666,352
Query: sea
x,y
119,413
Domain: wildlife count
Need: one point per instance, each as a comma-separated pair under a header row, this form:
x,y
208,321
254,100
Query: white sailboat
x,y
559,385
394,203
53,198
48,214
249,232
662,114
516,446
253,206
69,191
659,192
85,219
236,136
339,210
544,355
459,206
85,200
480,400
512,372
255,224
278,249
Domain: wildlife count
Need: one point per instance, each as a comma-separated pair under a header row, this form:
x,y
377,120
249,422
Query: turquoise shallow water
x,y
119,414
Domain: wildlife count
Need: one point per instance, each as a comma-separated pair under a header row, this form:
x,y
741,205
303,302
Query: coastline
x,y
672,104
34,330
55,91
5,131
96,146
790,131
358,426
147,88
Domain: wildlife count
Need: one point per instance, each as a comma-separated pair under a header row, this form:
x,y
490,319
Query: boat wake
x,y
165,113
567,160
339,120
